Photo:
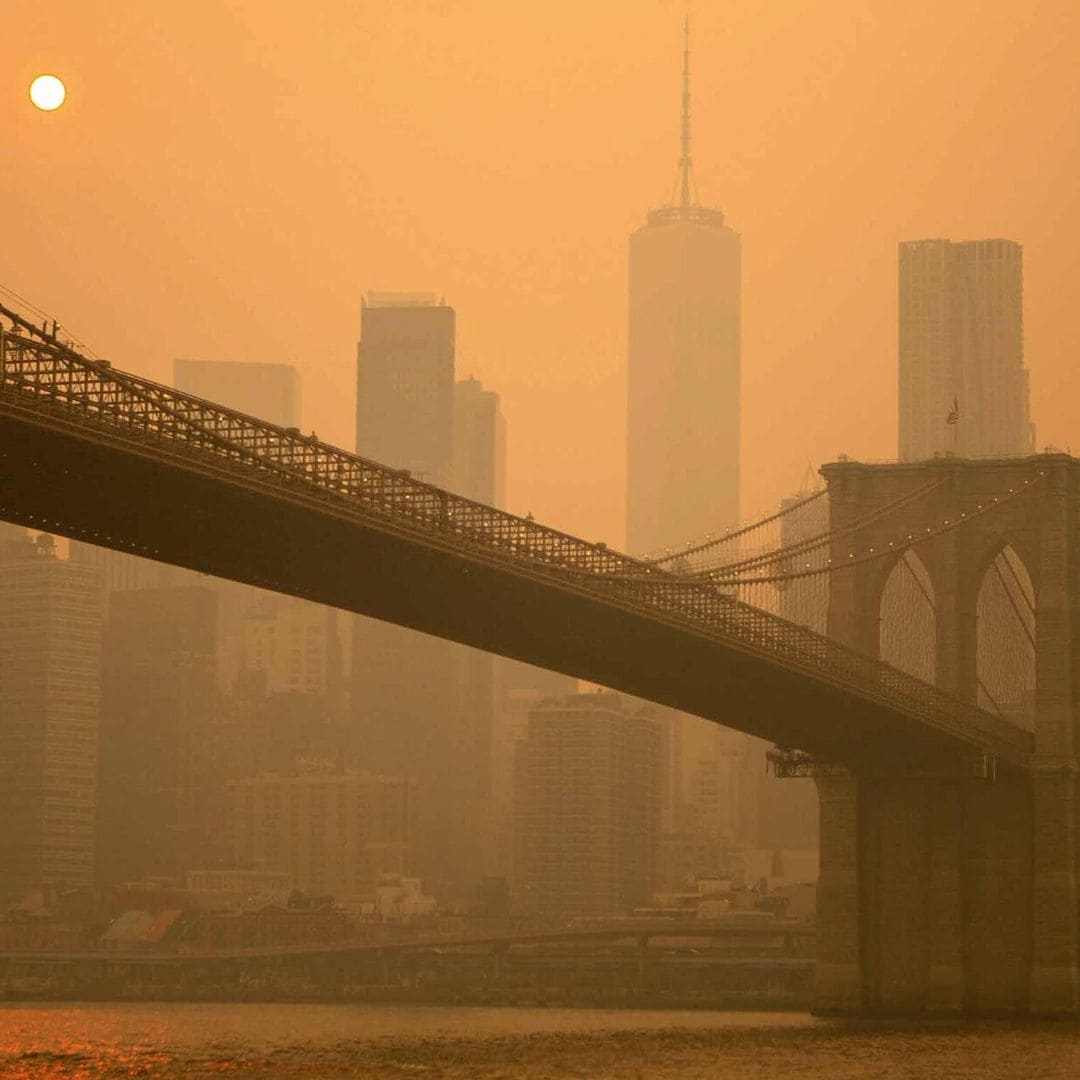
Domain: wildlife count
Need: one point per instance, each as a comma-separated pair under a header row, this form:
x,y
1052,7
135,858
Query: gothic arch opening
x,y
1005,652
907,636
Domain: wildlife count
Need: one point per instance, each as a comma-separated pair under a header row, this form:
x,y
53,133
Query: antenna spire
x,y
686,162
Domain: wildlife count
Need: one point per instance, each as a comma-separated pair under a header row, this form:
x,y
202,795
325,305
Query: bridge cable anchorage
x,y
50,385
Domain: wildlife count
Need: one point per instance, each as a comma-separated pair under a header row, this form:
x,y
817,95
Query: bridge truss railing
x,y
46,378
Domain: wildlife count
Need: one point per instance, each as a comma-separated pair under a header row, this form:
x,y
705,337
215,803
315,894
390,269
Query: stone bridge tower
x,y
953,886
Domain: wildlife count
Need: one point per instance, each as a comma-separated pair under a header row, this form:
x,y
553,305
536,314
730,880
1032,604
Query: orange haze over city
x,y
226,178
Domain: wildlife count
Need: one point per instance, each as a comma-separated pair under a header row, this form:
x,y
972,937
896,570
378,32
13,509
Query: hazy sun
x,y
47,92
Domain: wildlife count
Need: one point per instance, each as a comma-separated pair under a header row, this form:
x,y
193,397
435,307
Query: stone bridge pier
x,y
950,885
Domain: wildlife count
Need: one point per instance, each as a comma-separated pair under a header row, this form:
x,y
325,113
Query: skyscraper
x,y
963,385
683,421
50,689
405,684
405,384
269,392
480,474
479,444
335,832
162,795
586,807
684,368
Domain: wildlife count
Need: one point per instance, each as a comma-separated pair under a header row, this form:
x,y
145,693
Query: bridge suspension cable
x,y
45,383
43,332
859,556
781,556
696,547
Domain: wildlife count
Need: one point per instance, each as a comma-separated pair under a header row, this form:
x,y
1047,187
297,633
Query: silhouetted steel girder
x,y
59,477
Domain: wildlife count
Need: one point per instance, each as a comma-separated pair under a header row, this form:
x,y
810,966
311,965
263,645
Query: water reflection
x,y
105,1041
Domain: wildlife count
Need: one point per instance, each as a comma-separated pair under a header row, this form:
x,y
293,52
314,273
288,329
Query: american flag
x,y
954,412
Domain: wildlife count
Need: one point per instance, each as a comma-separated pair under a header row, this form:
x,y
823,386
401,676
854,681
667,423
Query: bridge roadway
x,y
787,938
96,454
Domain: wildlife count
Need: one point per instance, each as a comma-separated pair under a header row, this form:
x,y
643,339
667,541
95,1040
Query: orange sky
x,y
228,176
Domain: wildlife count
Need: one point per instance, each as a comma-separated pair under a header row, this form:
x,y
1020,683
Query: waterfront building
x,y
162,783
50,700
586,808
963,385
519,689
336,833
238,887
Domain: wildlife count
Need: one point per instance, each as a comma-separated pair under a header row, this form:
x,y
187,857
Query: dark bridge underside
x,y
62,480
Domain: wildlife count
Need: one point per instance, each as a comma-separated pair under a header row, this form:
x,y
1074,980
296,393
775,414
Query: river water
x,y
455,1043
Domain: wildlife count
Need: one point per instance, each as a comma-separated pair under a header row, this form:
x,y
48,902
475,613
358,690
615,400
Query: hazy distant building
x,y
287,702
519,689
11,535
586,807
479,473
335,833
405,384
268,392
683,397
119,570
161,788
293,644
479,469
406,685
683,426
961,349
50,687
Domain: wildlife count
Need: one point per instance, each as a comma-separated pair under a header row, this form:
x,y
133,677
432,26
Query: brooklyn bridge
x,y
940,728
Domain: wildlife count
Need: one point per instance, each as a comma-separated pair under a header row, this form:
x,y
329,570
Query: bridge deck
x,y
100,455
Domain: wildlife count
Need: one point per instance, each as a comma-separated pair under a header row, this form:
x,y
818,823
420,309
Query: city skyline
x,y
824,216
371,699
